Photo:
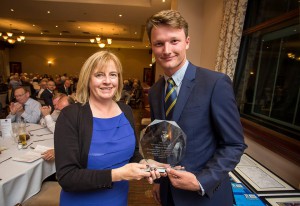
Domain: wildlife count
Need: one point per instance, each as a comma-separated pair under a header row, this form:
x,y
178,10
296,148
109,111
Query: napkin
x,y
32,155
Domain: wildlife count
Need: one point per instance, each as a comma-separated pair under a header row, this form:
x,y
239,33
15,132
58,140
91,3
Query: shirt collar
x,y
178,76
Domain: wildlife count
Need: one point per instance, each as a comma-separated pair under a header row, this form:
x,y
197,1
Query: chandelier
x,y
100,43
8,36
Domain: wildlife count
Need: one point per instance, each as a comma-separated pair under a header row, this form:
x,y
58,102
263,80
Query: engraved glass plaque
x,y
163,141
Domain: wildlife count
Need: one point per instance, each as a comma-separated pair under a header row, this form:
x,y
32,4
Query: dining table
x,y
20,180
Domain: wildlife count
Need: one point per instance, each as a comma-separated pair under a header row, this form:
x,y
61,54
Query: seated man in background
x,y
65,88
48,94
24,107
50,122
43,86
136,93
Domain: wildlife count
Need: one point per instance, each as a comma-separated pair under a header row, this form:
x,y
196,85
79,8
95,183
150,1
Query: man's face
x,y
67,83
43,85
21,96
62,103
51,85
169,47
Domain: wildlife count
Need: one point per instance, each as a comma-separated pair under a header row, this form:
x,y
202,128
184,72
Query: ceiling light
x,y
22,37
98,41
11,41
12,10
101,45
7,36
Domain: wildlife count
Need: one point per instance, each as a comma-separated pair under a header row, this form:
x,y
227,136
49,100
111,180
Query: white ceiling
x,y
74,22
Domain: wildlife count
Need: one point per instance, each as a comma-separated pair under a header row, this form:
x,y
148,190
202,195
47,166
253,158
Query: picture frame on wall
x,y
282,200
148,76
15,67
259,179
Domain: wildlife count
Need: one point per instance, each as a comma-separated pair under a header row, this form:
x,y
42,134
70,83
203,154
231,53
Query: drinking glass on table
x,y
15,132
22,133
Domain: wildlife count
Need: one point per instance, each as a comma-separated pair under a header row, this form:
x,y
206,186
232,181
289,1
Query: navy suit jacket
x,y
47,97
206,111
62,89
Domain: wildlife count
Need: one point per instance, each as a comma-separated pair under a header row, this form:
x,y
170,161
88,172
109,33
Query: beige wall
x,y
67,59
204,18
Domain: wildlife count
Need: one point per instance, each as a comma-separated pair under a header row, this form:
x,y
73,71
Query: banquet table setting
x,y
22,170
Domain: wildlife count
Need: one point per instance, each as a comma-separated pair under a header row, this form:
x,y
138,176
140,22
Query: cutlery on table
x,y
39,135
5,160
42,140
26,146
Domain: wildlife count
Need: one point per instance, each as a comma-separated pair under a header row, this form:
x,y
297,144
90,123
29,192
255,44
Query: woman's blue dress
x,y
112,145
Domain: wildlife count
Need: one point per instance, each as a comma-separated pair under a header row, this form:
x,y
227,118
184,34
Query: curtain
x,y
230,35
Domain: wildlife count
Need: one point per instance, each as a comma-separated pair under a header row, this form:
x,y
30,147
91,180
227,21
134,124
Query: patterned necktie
x,y
170,99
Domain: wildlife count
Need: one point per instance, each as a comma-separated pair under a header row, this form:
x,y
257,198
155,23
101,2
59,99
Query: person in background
x,y
204,107
14,81
125,96
43,86
24,107
136,94
49,121
95,143
65,88
48,94
26,83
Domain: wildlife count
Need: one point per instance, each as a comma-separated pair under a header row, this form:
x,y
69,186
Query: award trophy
x,y
164,142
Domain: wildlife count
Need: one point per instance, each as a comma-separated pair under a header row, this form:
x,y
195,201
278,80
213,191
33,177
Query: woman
x,y
95,140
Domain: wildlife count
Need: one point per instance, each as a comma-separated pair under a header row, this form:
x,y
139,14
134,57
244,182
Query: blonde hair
x,y
100,60
170,18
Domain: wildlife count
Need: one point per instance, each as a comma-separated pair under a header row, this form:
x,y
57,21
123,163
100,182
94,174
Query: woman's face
x,y
104,82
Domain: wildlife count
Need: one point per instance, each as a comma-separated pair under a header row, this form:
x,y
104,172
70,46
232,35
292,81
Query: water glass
x,y
15,132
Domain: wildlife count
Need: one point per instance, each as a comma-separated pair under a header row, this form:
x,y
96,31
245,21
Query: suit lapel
x,y
185,91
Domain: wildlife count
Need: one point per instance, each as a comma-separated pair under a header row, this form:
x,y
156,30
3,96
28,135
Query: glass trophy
x,y
164,142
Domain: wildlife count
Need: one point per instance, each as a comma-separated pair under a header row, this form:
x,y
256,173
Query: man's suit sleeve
x,y
229,136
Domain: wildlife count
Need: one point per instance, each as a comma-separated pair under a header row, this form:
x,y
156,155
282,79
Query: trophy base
x,y
159,169
162,169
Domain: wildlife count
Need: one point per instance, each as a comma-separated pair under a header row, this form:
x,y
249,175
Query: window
x,y
267,78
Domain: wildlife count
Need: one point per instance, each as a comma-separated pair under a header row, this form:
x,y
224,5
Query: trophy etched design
x,y
163,141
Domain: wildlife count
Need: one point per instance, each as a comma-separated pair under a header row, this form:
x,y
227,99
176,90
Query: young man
x,y
205,109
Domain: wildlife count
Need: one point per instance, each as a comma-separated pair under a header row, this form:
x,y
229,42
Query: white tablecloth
x,y
20,180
